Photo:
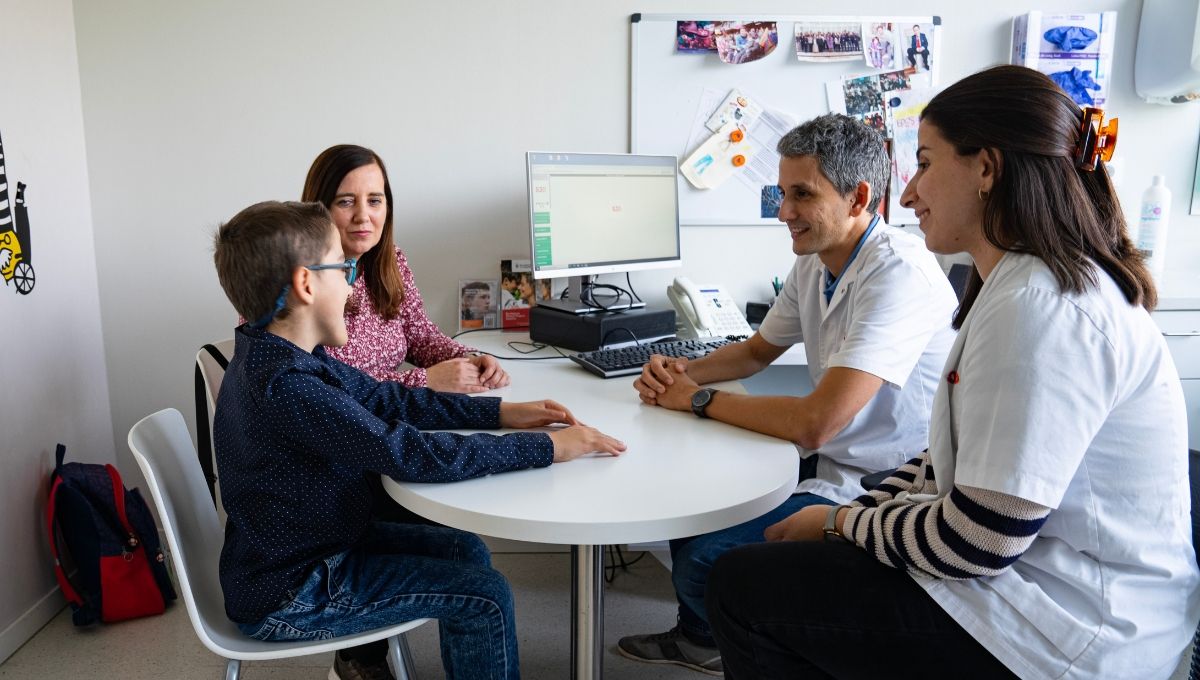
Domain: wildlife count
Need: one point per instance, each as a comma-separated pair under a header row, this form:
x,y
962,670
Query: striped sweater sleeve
x,y
915,476
967,534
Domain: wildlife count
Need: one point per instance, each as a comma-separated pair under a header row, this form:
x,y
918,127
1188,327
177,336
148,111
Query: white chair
x,y
211,361
163,449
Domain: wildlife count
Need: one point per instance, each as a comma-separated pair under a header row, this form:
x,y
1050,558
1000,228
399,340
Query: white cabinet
x,y
1179,319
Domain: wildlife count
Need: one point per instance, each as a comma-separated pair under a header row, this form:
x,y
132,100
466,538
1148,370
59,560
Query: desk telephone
x,y
706,311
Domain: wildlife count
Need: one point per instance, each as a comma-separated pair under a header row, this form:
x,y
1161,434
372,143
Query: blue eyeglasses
x,y
350,265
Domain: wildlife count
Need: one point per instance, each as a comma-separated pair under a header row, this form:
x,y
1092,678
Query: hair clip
x,y
1097,139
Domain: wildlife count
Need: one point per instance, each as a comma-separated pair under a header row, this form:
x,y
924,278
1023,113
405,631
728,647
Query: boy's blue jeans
x,y
401,572
692,558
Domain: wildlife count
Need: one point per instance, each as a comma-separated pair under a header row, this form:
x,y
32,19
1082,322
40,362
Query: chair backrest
x,y
162,447
213,371
210,371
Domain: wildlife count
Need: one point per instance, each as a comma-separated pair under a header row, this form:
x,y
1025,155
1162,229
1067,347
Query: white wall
x,y
53,386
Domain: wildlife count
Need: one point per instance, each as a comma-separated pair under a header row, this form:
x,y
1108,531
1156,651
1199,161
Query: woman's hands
x,y
569,443
466,375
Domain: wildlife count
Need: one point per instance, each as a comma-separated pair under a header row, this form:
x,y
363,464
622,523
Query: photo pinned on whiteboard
x,y
695,37
828,40
894,80
918,48
771,200
865,97
478,302
880,45
740,43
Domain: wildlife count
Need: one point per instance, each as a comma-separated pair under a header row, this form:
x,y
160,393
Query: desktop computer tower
x,y
587,332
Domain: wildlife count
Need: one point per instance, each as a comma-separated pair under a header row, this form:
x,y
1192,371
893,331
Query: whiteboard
x,y
669,90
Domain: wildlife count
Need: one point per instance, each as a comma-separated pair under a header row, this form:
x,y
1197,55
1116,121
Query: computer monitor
x,y
595,213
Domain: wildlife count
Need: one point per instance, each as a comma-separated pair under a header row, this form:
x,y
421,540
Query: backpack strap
x,y
118,488
204,448
51,523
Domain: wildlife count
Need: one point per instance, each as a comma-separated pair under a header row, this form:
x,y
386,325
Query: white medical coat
x,y
890,316
1073,402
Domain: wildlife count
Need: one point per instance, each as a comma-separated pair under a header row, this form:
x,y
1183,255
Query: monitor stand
x,y
578,301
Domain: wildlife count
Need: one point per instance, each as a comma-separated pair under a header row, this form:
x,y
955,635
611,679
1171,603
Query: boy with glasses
x,y
298,436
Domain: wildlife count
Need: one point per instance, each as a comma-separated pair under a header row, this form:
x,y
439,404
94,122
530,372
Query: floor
x,y
639,600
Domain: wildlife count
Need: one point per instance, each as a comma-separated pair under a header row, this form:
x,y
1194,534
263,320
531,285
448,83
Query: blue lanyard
x,y
830,282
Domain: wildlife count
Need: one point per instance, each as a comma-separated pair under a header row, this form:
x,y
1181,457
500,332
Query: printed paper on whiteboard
x,y
718,158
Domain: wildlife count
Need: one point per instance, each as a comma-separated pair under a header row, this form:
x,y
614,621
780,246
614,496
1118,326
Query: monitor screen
x,y
602,213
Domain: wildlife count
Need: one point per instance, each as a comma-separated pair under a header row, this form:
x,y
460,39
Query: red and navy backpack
x,y
106,534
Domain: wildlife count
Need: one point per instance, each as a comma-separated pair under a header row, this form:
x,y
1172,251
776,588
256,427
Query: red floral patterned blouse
x,y
377,346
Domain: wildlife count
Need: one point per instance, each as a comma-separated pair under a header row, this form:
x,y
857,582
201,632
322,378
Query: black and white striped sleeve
x,y
915,476
970,533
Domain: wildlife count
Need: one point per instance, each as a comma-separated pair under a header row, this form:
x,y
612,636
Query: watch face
x,y
700,401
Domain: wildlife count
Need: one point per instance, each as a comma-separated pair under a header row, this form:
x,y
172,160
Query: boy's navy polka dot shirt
x,y
297,437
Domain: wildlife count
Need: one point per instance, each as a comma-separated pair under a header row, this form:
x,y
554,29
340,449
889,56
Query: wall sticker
x,y
16,251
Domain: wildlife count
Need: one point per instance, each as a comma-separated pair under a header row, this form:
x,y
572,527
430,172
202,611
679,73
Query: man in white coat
x,y
873,309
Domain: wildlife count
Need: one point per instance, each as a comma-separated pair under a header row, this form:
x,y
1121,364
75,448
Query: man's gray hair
x,y
847,151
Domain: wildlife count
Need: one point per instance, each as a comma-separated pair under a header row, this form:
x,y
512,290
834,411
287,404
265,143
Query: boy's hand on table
x,y
526,414
573,442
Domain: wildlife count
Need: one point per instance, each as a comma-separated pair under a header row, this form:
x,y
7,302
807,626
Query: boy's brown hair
x,y
258,248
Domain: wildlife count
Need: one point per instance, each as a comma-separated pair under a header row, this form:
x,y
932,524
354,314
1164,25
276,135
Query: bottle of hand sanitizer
x,y
1152,226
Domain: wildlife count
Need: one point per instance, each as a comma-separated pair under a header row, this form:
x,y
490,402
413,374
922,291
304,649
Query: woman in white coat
x,y
1045,533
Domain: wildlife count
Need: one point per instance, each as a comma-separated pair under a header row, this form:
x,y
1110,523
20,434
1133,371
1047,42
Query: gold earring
x,y
984,195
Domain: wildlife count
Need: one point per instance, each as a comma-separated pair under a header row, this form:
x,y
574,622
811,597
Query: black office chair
x,y
959,274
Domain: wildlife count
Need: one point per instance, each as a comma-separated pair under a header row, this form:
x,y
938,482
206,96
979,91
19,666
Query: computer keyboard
x,y
611,363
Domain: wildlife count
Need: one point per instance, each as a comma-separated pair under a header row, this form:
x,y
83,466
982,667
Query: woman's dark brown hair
x,y
1040,203
378,265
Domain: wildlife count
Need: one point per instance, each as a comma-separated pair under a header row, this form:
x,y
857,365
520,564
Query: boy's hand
x,y
575,441
526,414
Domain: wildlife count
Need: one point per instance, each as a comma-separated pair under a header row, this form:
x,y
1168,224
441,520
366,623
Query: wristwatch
x,y
701,398
830,530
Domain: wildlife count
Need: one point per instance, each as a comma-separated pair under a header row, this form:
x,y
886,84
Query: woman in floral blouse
x,y
385,317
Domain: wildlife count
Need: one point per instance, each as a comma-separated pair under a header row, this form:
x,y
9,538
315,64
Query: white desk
x,y
680,476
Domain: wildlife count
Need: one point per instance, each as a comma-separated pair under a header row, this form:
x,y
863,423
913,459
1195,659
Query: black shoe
x,y
672,647
353,669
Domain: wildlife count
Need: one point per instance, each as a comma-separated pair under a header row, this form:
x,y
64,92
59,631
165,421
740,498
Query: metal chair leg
x,y
400,658
233,669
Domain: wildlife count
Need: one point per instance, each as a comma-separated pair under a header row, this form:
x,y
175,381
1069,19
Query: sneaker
x,y
353,669
672,647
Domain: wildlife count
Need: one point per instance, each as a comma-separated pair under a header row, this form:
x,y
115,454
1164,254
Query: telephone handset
x,y
706,311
